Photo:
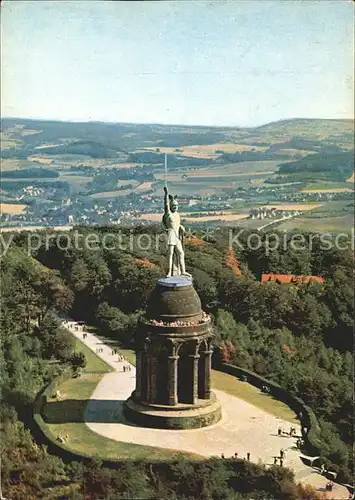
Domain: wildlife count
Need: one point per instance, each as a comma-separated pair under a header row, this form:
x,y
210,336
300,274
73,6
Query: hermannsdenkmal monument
x,y
173,347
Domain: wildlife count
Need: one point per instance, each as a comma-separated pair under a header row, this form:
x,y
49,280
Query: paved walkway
x,y
244,428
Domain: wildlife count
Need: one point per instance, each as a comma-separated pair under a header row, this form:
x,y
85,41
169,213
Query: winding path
x,y
244,428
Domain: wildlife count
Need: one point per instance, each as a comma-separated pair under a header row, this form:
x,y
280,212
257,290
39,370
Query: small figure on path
x,y
275,460
223,455
235,455
279,431
329,486
282,453
248,456
322,469
281,462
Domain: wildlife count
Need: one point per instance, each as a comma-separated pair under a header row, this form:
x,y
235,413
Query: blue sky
x,y
212,63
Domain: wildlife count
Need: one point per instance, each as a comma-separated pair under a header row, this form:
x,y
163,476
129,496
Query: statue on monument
x,y
175,230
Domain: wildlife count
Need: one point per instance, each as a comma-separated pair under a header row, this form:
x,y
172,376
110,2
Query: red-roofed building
x,y
291,279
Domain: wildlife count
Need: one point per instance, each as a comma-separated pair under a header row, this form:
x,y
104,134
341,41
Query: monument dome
x,y
174,298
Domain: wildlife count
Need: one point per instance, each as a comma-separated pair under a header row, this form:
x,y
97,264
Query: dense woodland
x,y
37,172
299,336
331,165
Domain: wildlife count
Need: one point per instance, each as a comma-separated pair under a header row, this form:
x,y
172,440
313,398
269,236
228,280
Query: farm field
x,y
208,151
248,168
214,218
342,223
127,163
329,189
111,194
145,186
234,215
191,217
27,179
197,188
78,160
294,206
321,222
12,208
18,229
12,164
75,179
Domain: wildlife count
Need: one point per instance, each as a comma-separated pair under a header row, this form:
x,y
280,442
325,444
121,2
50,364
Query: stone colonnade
x,y
174,371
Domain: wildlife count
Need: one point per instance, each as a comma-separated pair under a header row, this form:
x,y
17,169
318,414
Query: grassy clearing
x,y
129,354
242,390
94,364
79,437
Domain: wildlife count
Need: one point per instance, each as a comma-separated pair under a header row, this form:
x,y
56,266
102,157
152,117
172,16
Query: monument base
x,y
180,416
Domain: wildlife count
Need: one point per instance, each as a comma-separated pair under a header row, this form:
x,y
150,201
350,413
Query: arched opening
x,y
144,377
202,370
161,376
185,389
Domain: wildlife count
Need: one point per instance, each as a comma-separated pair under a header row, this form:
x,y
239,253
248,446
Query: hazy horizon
x,y
218,64
110,122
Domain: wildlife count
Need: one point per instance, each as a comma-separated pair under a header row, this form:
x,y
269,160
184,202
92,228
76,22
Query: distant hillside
x,y
89,148
308,127
335,167
34,133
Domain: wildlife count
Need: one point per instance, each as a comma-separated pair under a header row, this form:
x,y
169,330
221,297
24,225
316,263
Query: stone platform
x,y
180,416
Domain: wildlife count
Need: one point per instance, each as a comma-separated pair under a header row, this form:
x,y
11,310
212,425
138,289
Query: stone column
x,y
207,378
172,379
153,378
148,375
194,358
138,392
